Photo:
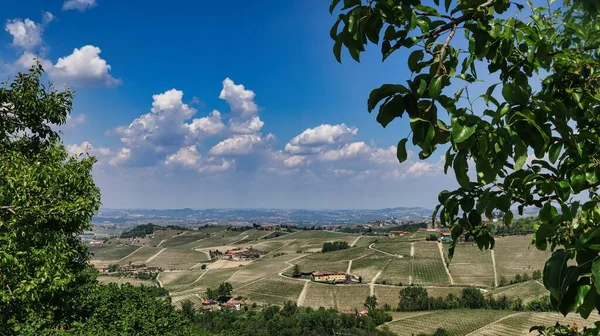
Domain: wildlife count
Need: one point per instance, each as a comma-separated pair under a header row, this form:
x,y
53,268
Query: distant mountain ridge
x,y
276,216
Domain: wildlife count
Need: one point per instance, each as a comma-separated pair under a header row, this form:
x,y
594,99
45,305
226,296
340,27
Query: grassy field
x,y
369,266
459,322
273,290
110,252
141,255
513,255
471,266
123,280
427,265
527,291
177,259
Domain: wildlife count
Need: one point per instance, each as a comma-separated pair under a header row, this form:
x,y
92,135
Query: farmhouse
x,y
241,254
334,277
397,233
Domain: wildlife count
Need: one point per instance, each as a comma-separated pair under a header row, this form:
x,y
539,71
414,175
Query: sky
x,y
207,105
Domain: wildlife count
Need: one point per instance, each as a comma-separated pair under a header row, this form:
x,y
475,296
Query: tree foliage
x,y
335,246
46,199
544,102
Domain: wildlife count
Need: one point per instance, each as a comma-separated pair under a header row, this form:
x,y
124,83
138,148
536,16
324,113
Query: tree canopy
x,y
529,138
46,199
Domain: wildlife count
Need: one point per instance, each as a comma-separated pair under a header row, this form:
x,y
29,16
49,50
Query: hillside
x,y
384,265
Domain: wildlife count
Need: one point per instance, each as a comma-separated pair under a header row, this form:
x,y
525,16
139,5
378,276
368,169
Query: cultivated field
x,y
471,266
376,260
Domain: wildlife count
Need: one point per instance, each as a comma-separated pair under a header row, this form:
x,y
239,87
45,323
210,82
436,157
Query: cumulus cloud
x,y
26,33
80,5
350,150
315,140
171,126
121,157
189,157
240,145
239,99
84,67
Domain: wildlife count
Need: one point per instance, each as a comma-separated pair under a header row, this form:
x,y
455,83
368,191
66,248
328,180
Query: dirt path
x,y
355,240
495,271
349,266
129,255
372,285
157,280
474,332
444,262
239,240
250,283
200,277
162,241
380,251
156,255
302,296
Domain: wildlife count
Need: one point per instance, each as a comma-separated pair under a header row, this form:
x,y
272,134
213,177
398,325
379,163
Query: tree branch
x,y
457,21
8,208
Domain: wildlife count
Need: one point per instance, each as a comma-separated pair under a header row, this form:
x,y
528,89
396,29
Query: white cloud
x,y
80,5
26,33
240,145
28,59
239,99
87,148
189,157
294,161
186,156
84,67
350,150
210,125
121,157
250,126
313,140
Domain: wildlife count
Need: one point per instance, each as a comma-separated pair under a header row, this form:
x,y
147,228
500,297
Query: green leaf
x,y
461,168
596,274
508,217
577,180
435,87
554,273
422,87
588,304
382,92
414,58
332,6
461,133
337,49
401,153
520,156
390,110
554,152
447,4
591,175
548,212
351,3
563,189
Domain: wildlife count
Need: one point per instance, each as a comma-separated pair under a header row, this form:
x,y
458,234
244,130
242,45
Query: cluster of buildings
x,y
131,269
241,254
331,277
210,304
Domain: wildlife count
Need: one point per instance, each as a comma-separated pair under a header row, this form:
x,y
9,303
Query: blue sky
x,y
290,129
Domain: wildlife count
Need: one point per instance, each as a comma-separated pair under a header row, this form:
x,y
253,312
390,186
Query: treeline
x,y
537,274
139,231
142,230
416,298
289,320
110,309
412,227
335,246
